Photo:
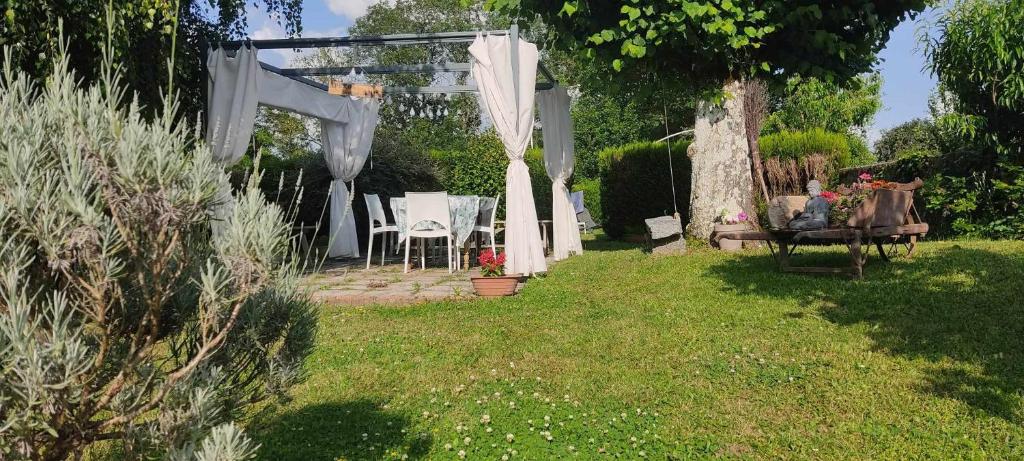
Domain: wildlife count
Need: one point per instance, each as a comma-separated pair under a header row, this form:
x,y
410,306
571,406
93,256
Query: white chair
x,y
378,225
486,219
425,207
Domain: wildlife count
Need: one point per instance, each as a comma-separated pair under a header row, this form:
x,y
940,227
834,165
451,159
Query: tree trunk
x,y
720,158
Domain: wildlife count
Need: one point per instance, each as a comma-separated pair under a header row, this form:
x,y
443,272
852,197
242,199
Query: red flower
x,y
829,196
491,265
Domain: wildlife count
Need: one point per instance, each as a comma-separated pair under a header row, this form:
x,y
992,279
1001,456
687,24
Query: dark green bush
x,y
799,144
479,169
396,167
962,198
636,185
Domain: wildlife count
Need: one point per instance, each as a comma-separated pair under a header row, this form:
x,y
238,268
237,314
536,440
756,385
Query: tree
x,y
607,114
601,121
976,56
812,103
121,317
416,16
148,34
715,45
916,136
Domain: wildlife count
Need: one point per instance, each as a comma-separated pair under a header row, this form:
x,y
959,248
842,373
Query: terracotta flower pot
x,y
489,287
729,244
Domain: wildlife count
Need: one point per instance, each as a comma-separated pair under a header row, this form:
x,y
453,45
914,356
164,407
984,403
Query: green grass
x,y
707,355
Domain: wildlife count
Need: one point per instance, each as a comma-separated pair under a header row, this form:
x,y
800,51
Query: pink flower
x,y
829,196
865,176
742,216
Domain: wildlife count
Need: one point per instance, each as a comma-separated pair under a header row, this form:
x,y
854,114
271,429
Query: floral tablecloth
x,y
463,208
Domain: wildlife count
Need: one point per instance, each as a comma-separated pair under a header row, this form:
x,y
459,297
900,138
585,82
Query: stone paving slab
x,y
348,282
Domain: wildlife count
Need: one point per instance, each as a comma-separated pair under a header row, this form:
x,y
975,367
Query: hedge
x,y
636,185
480,170
799,144
397,167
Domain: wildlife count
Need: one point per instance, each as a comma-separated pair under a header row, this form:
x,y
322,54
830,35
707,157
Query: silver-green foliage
x,y
122,317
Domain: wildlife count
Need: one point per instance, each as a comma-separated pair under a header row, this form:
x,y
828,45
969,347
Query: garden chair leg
x,y
450,255
369,250
408,243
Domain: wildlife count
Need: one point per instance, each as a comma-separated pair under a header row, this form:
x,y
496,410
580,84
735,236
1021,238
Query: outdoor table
x,y
463,209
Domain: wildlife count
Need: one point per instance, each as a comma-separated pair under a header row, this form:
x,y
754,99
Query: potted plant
x,y
731,223
492,280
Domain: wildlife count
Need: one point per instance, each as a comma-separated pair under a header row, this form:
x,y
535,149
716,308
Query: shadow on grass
x,y
359,429
958,308
598,241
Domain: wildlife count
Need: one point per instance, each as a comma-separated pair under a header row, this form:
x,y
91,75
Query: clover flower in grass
x,y
509,437
485,419
462,454
448,447
467,440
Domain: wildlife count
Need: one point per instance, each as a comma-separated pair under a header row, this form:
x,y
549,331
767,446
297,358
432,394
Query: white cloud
x,y
350,8
271,29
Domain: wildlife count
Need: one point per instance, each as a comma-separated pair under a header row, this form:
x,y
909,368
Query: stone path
x,y
348,282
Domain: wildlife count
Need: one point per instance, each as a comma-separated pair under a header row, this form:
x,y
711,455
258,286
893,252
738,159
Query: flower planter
x,y
729,244
489,287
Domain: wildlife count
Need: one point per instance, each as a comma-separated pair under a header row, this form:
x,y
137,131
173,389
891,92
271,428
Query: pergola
x,y
299,73
504,69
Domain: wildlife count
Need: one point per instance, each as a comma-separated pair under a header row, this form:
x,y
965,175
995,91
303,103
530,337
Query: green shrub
x,y
907,138
799,144
960,198
591,196
480,168
860,153
397,167
125,322
540,181
636,185
477,169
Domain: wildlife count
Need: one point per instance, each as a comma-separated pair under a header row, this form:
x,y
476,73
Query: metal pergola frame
x,y
301,74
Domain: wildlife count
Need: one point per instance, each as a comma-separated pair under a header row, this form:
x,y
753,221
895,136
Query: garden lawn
x,y
618,353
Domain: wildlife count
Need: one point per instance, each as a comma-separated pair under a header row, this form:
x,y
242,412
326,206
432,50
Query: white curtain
x,y
237,84
232,96
288,94
508,100
559,160
346,146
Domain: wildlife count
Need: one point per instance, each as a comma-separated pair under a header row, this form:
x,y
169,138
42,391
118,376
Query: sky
x,y
905,89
